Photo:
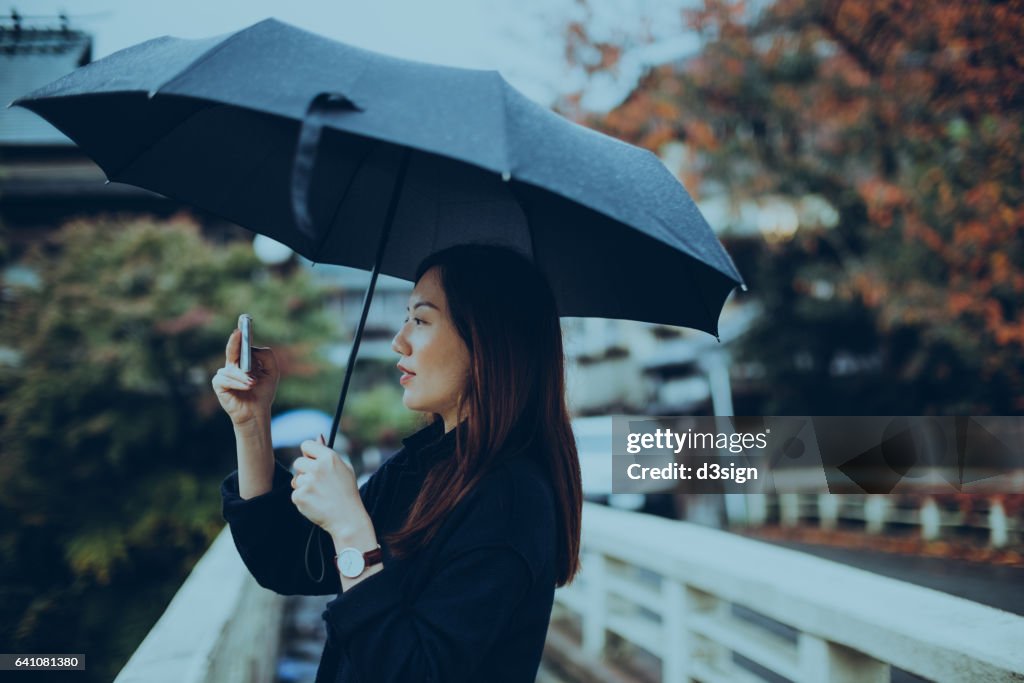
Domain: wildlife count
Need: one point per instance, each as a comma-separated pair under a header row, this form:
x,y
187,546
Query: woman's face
x,y
434,360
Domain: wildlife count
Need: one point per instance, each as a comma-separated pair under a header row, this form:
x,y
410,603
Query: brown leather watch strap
x,y
372,557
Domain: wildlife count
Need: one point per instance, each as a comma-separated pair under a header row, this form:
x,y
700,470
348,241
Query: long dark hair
x,y
514,399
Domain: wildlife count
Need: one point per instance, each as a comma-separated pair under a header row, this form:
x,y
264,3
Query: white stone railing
x,y
686,594
221,627
875,512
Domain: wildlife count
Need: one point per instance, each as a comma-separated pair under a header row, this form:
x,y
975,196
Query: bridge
x,y
656,600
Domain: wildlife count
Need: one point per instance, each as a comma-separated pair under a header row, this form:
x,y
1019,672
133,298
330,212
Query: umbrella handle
x,y
305,555
320,107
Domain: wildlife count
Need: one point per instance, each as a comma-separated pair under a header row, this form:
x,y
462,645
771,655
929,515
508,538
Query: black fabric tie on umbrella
x,y
324,106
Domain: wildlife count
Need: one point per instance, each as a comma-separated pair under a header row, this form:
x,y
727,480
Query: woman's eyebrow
x,y
423,303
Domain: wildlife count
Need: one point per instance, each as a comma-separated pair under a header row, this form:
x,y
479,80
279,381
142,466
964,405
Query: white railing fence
x,y
702,601
221,627
932,517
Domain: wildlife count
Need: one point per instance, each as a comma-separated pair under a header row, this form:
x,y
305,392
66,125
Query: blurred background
x,y
861,162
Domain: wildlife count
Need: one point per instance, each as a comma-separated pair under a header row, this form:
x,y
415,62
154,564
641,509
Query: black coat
x,y
472,605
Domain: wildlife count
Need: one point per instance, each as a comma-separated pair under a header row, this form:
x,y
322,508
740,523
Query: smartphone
x,y
245,357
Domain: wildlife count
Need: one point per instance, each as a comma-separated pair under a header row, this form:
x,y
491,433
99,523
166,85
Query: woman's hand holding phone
x,y
246,396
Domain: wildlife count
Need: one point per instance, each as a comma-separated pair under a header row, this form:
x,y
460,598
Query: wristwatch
x,y
352,562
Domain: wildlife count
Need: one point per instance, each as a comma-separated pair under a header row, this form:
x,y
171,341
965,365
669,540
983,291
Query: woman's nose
x,y
399,345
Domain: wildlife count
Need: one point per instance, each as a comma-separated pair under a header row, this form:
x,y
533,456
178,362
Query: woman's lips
x,y
405,378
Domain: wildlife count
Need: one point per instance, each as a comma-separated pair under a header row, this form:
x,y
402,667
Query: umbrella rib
x,y
507,152
197,61
155,91
340,202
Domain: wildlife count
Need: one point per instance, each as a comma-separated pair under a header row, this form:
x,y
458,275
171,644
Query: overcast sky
x,y
523,38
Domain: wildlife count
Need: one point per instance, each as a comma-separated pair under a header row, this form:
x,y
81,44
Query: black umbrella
x,y
330,148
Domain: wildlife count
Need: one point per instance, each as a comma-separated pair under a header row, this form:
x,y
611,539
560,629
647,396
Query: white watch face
x,y
351,563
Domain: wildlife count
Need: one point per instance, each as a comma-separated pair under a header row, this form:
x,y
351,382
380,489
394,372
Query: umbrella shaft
x,y
396,192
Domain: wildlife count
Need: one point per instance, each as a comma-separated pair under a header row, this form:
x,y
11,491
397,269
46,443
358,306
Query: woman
x,y
448,556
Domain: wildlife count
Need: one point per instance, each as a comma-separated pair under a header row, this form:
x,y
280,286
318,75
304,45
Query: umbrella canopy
x,y
308,140
356,158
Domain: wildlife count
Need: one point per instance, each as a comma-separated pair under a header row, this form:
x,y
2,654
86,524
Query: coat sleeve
x,y
271,536
445,632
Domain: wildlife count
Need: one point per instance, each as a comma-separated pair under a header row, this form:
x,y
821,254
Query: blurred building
x,y
44,178
387,311
623,366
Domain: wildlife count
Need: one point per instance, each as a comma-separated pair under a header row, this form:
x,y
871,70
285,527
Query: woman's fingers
x,y
235,373
234,348
225,380
299,467
263,361
314,449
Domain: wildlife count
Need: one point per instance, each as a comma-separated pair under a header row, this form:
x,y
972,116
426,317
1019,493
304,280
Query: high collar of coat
x,y
427,446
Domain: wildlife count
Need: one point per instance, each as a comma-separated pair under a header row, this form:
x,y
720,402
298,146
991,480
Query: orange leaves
x,y
610,56
659,135
915,229
999,267
1004,332
700,134
984,197
975,305
631,118
665,109
575,34
958,303
908,116
882,199
872,289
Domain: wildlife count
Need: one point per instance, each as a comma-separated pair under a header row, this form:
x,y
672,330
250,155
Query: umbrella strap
x,y
321,108
305,555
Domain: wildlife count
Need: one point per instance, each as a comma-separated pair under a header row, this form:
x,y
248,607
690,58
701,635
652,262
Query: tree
x,y
908,119
378,417
114,444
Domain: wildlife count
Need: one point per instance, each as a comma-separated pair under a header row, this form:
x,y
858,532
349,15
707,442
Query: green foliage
x,y
377,416
114,443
